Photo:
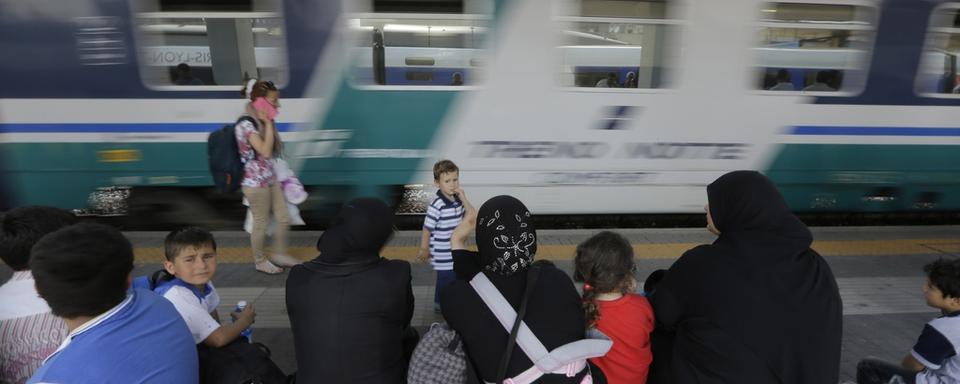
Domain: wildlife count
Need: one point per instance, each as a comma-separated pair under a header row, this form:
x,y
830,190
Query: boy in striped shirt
x,y
443,215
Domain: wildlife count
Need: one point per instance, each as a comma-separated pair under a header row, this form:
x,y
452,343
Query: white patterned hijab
x,y
506,237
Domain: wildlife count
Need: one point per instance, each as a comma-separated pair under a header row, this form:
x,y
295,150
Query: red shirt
x,y
628,322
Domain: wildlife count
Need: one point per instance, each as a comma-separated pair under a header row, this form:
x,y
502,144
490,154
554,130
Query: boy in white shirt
x,y
191,258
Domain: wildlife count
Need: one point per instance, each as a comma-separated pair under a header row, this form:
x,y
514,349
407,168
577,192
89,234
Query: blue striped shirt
x,y
442,217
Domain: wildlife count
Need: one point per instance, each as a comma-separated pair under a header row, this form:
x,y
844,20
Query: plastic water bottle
x,y
248,333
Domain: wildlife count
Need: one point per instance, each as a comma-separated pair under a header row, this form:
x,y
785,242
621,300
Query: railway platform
x,y
878,269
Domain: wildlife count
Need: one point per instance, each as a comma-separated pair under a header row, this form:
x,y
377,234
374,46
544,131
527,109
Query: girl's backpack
x,y
224,157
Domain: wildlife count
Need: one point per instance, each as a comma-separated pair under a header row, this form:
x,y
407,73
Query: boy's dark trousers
x,y
876,371
444,278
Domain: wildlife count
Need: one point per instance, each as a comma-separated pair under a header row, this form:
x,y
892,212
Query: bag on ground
x,y
439,358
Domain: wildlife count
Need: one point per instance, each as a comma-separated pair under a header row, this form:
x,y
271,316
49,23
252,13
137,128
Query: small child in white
x,y
191,258
934,357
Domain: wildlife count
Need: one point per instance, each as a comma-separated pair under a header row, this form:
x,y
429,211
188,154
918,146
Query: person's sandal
x,y
284,261
268,268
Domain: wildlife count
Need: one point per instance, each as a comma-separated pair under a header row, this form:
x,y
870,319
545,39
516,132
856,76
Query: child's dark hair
x,y
444,166
259,89
181,238
945,275
605,264
22,227
82,270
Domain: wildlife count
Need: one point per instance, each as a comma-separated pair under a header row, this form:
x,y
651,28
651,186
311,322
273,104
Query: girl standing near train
x,y
258,144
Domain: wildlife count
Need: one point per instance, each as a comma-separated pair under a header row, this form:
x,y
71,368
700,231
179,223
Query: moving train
x,y
93,116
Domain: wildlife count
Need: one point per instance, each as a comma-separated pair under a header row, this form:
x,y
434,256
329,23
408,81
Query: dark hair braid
x,y
604,263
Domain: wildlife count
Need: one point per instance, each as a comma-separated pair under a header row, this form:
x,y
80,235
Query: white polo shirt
x,y
195,307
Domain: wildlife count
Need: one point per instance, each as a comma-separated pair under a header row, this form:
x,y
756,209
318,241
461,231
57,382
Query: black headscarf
x,y
746,203
757,305
358,233
506,237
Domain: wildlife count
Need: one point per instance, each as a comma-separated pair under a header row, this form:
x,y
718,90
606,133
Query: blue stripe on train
x,y
874,131
120,127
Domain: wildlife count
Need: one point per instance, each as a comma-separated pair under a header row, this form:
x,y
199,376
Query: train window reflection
x,y
615,43
417,49
210,49
939,73
813,47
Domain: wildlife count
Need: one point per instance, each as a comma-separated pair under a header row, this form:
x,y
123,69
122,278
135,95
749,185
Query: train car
x,y
91,112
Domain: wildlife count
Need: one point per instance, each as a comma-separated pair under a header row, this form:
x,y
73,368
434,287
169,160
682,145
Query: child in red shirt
x,y
604,263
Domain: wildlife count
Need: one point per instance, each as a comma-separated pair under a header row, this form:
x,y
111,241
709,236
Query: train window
x,y
417,49
813,47
603,41
213,45
420,6
939,72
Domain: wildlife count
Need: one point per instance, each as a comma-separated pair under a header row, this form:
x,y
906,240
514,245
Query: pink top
x,y
27,337
258,171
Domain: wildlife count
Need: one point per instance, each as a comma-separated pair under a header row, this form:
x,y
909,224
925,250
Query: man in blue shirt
x,y
116,335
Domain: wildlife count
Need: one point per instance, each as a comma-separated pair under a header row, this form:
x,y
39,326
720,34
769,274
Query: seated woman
x,y
350,308
756,306
507,243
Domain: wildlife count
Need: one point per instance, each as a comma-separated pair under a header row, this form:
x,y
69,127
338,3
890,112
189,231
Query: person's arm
x,y
430,220
423,253
458,239
263,145
911,363
408,316
467,207
230,332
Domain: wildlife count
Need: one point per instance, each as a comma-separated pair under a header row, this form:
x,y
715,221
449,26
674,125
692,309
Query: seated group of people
x,y
758,305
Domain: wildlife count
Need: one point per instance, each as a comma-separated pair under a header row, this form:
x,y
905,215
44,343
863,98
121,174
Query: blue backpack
x,y
226,168
150,282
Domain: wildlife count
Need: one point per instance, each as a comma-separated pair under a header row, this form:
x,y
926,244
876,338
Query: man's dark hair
x,y
824,77
82,270
183,67
20,228
783,76
945,275
181,238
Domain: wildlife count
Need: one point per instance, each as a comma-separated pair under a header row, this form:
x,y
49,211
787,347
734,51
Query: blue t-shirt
x,y
141,340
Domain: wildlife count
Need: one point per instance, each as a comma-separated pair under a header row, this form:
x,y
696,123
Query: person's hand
x,y
248,314
460,193
460,234
422,255
263,116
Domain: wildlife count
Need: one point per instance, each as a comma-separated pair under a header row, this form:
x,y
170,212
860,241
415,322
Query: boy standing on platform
x,y
443,215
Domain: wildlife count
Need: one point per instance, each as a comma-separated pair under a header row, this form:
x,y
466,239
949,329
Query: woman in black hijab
x,y
756,306
507,243
350,308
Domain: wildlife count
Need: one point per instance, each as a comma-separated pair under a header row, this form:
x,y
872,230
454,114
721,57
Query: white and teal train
x,y
511,90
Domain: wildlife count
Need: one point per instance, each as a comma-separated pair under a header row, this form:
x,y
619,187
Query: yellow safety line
x,y
148,255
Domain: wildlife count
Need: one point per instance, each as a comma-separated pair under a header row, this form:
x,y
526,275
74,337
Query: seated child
x,y
934,357
191,259
604,263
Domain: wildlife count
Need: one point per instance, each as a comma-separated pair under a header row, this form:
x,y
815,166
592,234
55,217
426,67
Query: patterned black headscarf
x,y
506,237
